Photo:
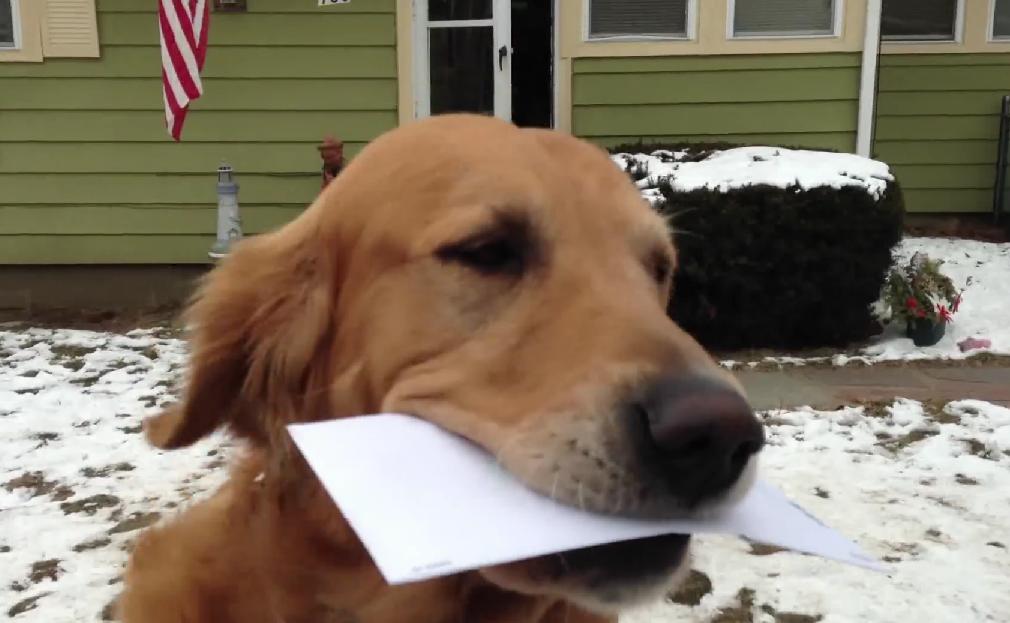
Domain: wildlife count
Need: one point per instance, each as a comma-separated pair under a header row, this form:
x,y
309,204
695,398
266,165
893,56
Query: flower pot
x,y
925,332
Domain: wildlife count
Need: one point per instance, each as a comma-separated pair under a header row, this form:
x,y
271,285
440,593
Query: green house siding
x,y
937,123
89,175
791,99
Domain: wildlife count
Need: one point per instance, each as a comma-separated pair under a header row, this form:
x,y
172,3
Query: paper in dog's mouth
x,y
426,503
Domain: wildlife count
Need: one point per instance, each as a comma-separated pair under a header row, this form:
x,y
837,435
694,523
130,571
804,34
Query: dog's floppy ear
x,y
258,321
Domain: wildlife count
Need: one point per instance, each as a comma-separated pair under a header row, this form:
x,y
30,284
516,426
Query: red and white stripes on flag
x,y
183,26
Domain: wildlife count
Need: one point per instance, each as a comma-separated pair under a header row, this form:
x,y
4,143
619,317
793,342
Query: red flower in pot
x,y
923,297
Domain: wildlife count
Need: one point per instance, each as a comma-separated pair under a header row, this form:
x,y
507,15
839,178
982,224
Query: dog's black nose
x,y
698,435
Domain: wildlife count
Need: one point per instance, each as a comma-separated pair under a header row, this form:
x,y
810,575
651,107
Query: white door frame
x,y
501,25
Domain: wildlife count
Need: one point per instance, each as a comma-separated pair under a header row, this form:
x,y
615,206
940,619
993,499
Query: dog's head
x,y
509,285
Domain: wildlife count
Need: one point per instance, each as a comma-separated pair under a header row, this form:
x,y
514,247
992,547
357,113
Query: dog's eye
x,y
488,255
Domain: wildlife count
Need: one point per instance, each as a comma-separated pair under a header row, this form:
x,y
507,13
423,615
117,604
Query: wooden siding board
x,y
164,157
716,86
112,219
947,200
945,176
105,249
838,141
948,103
980,151
144,61
144,188
677,64
937,127
715,118
269,29
944,78
202,126
220,94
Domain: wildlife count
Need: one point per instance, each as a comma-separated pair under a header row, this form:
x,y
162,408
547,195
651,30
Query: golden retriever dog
x,y
507,284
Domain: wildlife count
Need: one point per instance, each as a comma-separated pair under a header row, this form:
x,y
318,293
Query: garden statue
x,y
331,150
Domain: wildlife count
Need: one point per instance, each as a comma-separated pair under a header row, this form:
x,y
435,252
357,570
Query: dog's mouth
x,y
625,562
604,578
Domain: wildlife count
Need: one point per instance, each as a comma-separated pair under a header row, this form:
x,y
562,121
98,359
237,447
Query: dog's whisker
x,y
582,502
513,439
554,487
685,232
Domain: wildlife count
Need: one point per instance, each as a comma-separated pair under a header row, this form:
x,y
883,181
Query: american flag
x,y
183,26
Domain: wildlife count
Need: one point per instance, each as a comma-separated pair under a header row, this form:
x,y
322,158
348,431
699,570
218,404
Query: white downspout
x,y
868,79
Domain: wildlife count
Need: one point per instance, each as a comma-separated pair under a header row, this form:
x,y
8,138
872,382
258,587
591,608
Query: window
x,y
784,18
10,26
920,20
33,30
1001,19
639,18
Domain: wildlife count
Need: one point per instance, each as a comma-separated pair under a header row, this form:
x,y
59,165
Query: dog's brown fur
x,y
355,307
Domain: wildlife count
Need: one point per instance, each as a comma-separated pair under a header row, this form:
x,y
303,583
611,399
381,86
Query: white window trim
x,y
690,22
958,32
18,27
28,21
990,30
836,27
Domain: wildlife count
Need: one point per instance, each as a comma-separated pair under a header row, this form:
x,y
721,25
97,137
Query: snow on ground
x,y
923,488
748,166
77,480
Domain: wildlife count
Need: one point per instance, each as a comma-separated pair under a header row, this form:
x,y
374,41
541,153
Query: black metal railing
x,y
999,192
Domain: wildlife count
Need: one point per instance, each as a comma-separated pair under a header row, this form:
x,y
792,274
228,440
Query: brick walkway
x,y
824,388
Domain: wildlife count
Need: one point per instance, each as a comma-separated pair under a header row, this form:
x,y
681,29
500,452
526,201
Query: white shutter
x,y
70,29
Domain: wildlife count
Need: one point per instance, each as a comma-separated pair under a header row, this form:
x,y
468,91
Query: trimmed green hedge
x,y
767,267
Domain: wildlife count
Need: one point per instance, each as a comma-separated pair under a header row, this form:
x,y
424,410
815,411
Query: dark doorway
x,y
533,63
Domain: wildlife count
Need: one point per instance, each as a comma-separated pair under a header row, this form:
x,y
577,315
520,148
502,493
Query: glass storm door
x,y
463,57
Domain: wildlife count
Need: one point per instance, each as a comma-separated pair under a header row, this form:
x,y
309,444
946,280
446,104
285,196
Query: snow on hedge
x,y
750,166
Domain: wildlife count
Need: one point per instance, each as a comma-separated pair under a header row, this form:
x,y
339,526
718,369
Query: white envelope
x,y
427,503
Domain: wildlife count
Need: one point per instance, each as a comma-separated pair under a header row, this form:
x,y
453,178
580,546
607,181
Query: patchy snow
x,y
923,489
750,166
77,480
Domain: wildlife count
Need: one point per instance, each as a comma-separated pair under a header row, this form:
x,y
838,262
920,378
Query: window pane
x,y
784,17
1001,22
911,20
459,9
638,17
462,69
6,24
